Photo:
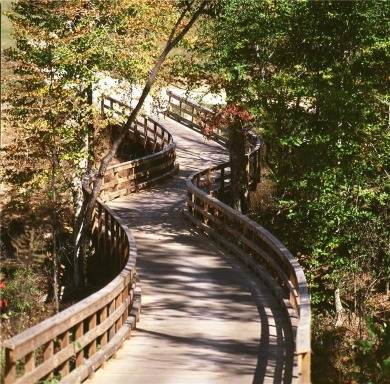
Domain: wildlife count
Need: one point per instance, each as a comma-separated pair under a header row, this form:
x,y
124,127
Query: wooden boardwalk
x,y
205,317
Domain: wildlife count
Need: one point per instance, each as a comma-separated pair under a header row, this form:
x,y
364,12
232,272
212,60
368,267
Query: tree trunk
x,y
175,37
339,308
238,164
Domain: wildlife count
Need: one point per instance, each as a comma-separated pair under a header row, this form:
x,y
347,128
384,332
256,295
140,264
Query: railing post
x,y
79,331
169,101
208,181
304,361
102,106
10,367
145,131
154,136
222,193
91,325
64,342
106,239
102,317
48,352
29,362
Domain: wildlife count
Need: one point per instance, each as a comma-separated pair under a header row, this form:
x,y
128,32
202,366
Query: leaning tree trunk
x,y
238,164
176,35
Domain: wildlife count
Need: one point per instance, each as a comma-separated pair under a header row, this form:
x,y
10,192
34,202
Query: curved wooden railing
x,y
74,343
254,245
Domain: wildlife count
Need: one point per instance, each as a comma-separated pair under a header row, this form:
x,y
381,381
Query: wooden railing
x,y
132,176
74,343
190,114
253,244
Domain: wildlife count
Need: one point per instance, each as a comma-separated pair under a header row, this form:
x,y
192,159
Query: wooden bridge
x,y
230,307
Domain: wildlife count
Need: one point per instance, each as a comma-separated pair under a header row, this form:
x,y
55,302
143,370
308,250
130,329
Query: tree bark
x,y
238,164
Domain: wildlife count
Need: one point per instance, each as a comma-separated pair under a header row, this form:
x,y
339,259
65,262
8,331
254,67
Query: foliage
x,y
316,90
25,298
351,354
62,51
315,76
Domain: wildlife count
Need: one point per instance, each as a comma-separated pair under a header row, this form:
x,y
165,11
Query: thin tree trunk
x,y
240,189
339,308
174,38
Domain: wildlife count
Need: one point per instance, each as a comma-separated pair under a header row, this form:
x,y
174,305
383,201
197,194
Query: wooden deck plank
x,y
205,317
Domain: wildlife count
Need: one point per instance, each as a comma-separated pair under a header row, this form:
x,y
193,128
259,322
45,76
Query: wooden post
x,y
111,330
118,303
79,331
222,190
304,361
48,352
145,131
102,106
294,300
64,342
102,318
10,367
29,362
106,239
118,255
208,181
100,242
112,247
154,137
91,326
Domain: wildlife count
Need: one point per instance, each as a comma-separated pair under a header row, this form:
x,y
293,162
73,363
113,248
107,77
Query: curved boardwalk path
x,y
205,317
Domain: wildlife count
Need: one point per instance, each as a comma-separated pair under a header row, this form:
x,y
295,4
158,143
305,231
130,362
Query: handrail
x,y
74,343
253,244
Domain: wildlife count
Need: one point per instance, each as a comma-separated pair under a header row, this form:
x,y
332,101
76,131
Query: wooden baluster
x,y
169,102
79,332
112,255
48,352
154,137
111,330
206,210
208,181
99,246
64,342
181,113
118,303
304,362
192,114
10,367
91,350
145,132
102,318
102,106
163,139
294,300
29,362
118,254
222,190
106,239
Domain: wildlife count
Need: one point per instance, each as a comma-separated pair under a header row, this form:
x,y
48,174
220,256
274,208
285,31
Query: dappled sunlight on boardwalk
x,y
205,317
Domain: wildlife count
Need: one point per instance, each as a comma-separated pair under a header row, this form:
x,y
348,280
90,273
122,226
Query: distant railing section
x,y
132,176
73,344
258,248
191,114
